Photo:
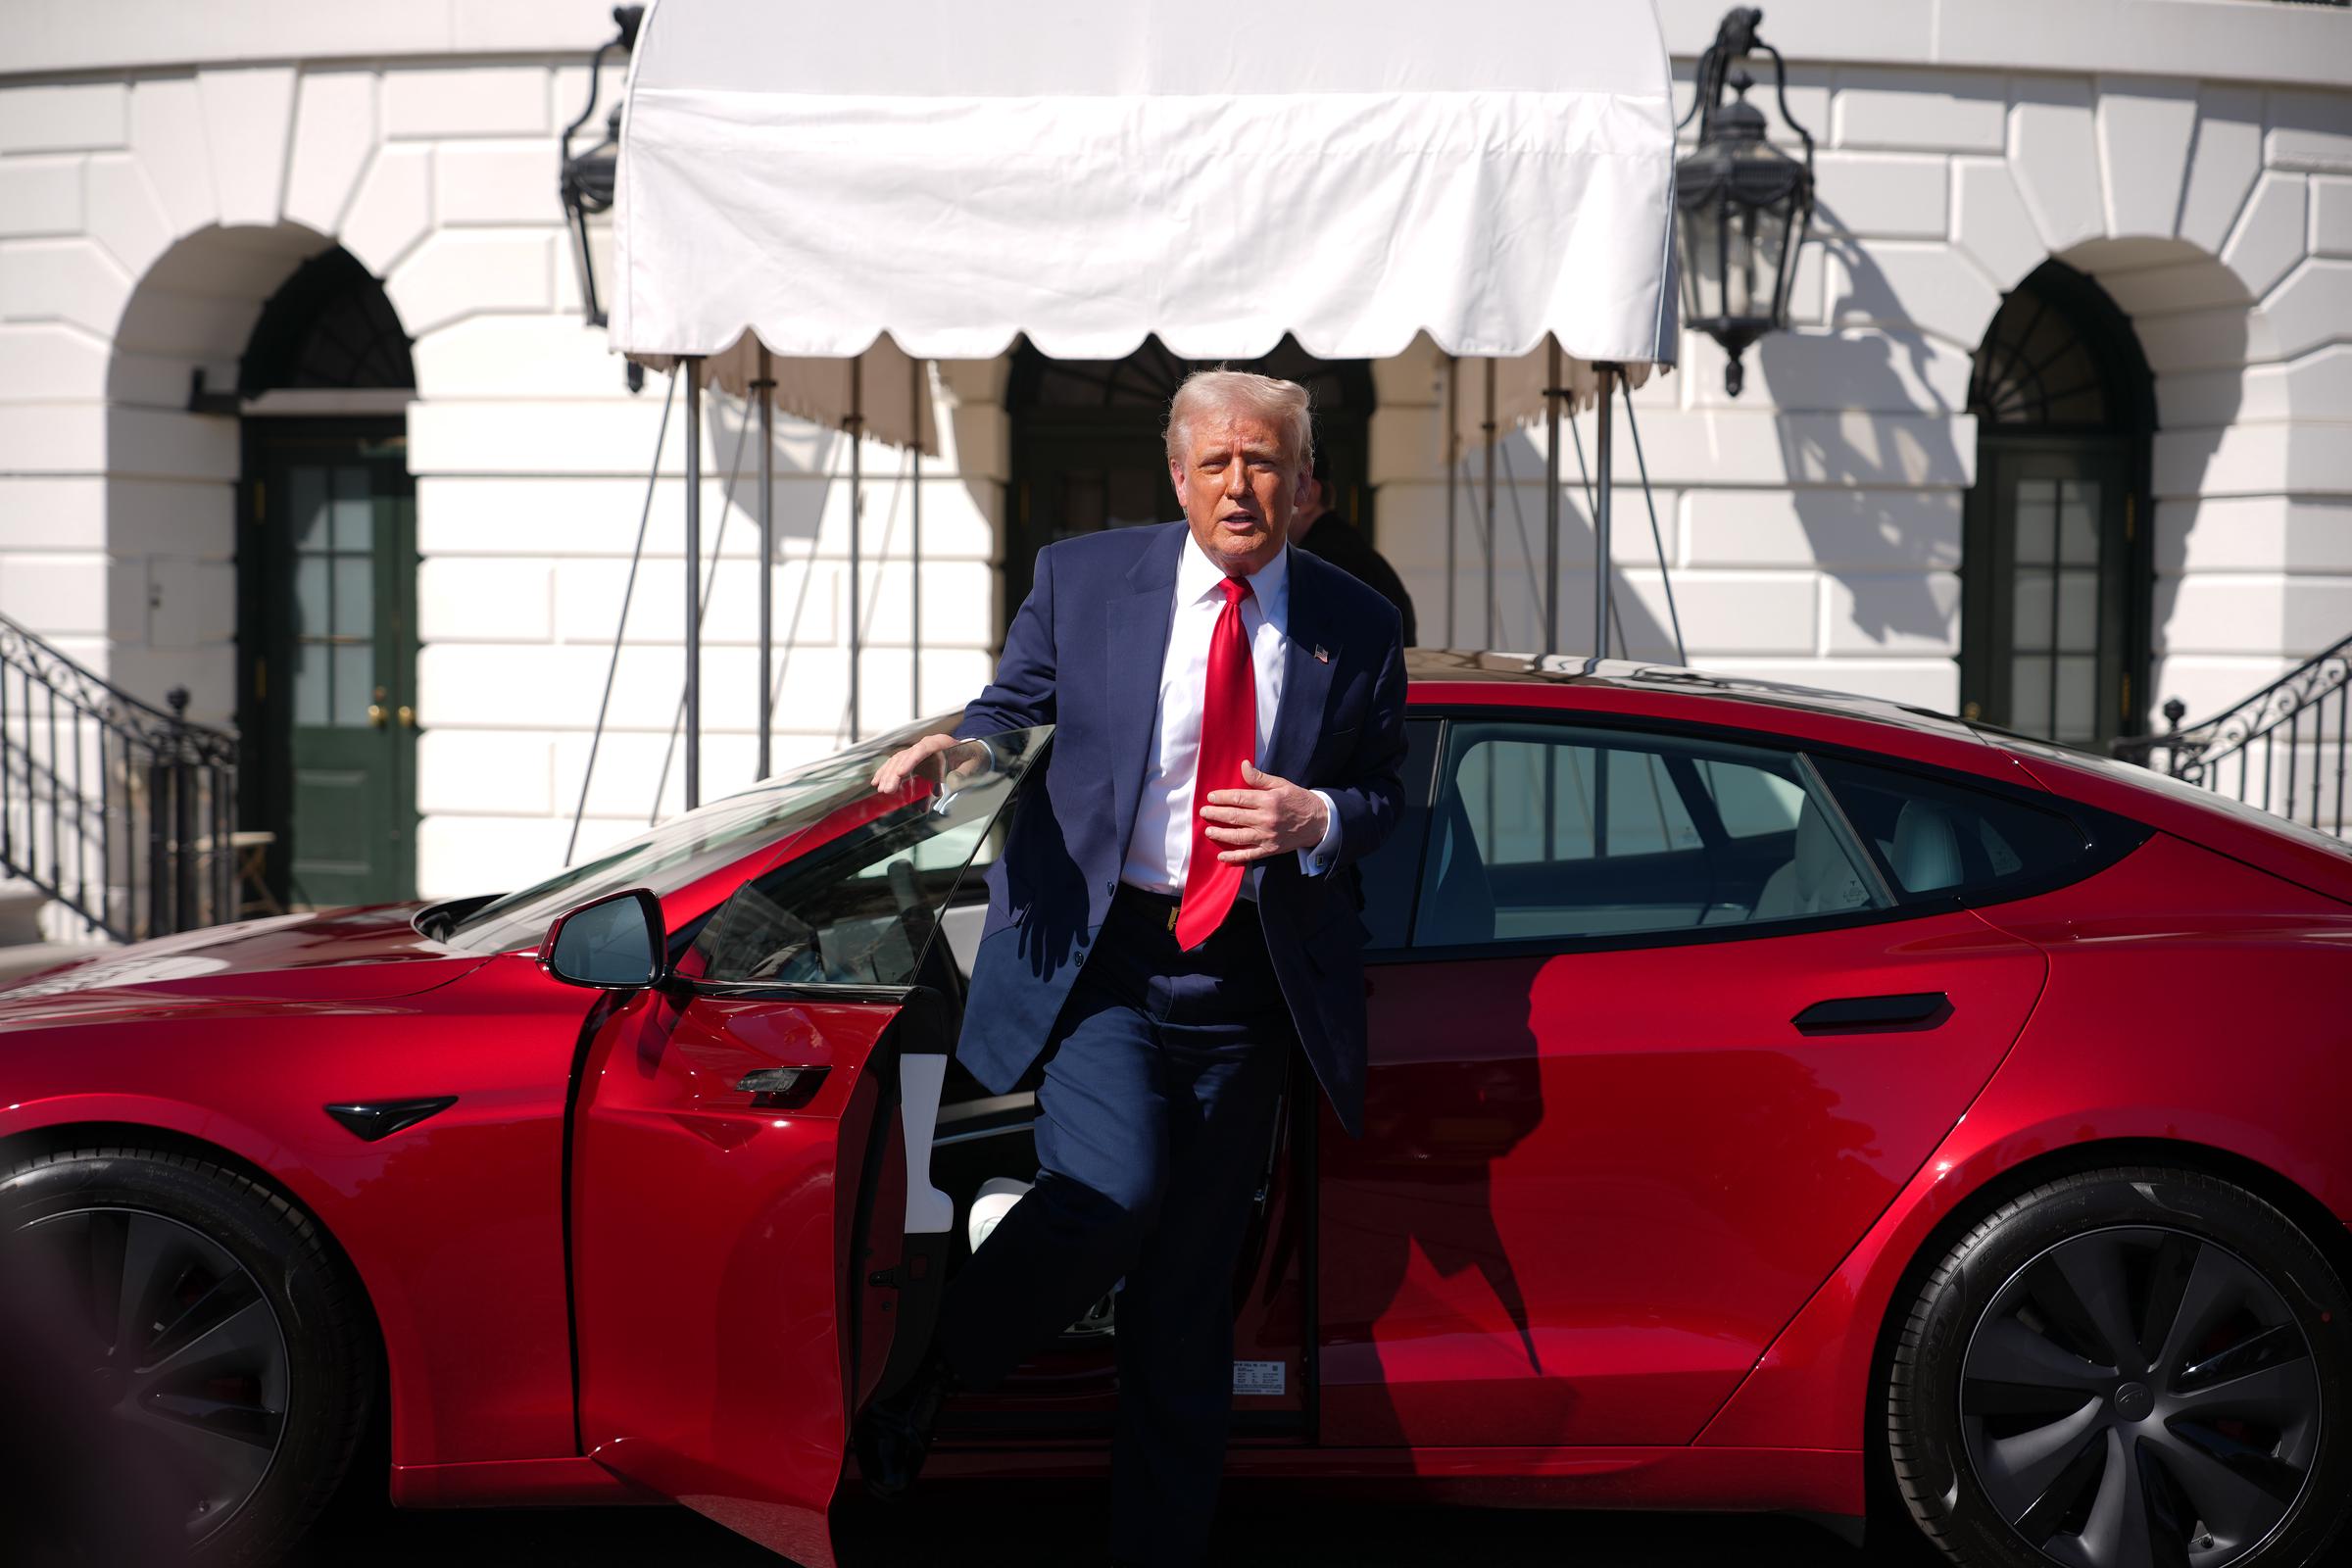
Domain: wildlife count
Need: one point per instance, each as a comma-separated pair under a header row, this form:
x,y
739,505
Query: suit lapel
x,y
1135,640
1306,678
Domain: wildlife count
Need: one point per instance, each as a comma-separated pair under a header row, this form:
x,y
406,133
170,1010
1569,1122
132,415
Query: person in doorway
x,y
1176,905
1318,528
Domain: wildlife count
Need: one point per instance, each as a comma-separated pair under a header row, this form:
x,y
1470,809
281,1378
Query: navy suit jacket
x,y
1084,655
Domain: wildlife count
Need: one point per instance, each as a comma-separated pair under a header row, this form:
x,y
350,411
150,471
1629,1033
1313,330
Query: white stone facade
x,y
159,180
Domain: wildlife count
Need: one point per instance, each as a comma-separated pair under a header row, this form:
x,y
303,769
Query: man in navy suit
x,y
1176,905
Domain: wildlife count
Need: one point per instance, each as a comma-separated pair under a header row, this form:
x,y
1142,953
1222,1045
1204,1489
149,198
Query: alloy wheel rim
x,y
2140,1397
184,1352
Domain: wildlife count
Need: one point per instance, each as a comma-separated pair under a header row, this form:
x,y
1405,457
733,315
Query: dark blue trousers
x,y
1153,1126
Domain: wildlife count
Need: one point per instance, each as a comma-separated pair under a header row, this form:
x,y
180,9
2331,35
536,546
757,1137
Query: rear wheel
x,y
2127,1368
197,1364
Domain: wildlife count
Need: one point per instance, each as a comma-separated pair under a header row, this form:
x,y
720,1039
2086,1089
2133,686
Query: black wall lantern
x,y
1742,206
585,182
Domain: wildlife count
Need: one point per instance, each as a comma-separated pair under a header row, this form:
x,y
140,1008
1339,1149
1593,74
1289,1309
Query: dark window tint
x,y
1548,832
1943,840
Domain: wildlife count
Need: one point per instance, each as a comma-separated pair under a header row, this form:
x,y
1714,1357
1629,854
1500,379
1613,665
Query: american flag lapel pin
x,y
1322,655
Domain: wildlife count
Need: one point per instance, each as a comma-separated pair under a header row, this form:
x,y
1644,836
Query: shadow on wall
x,y
1640,630
2197,326
1873,492
811,516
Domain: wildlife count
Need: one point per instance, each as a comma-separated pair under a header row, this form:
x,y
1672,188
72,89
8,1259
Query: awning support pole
x,y
1551,500
917,374
764,389
856,425
1454,475
1604,376
620,626
1658,537
694,584
1486,428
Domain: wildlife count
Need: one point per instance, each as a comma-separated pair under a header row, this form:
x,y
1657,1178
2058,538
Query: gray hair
x,y
1281,404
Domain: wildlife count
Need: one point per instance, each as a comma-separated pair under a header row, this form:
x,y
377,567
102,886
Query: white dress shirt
x,y
1160,849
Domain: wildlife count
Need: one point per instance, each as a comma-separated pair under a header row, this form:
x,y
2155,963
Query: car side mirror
x,y
617,942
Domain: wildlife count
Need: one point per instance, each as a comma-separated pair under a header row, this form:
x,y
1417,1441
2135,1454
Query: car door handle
x,y
1847,1016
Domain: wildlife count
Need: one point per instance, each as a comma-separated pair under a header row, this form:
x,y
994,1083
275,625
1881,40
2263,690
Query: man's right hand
x,y
903,763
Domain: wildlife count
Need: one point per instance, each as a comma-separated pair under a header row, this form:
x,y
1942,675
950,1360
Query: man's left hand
x,y
1272,816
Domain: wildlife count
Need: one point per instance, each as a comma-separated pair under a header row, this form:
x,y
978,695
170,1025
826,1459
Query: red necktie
x,y
1228,739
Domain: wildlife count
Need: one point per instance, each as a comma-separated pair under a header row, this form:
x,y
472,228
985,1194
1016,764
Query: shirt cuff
x,y
1317,861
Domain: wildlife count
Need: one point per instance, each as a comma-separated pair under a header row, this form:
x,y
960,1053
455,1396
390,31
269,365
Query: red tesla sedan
x,y
1778,1101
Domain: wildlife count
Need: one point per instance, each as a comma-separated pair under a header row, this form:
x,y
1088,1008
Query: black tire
x,y
2029,1421
194,1366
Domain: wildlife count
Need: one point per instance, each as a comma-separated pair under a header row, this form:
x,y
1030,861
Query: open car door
x,y
753,1252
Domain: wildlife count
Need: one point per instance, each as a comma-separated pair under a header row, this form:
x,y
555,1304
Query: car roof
x,y
1429,668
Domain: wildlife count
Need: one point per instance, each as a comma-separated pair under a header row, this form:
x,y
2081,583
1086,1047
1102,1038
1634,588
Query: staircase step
x,y
20,913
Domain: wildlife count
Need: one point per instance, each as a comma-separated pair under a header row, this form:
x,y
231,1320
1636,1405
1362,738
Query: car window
x,y
1943,840
2199,796
1544,831
686,847
1749,799
858,898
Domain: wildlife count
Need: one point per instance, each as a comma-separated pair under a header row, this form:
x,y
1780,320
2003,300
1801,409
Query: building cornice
x,y
51,39
2224,40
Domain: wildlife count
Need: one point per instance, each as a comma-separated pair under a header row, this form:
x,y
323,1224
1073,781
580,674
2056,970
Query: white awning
x,y
934,178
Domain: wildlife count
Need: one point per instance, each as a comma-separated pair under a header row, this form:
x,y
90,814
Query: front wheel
x,y
191,1369
2127,1368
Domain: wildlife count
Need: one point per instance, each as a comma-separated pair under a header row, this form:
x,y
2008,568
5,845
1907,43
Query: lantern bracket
x,y
585,180
1744,206
1735,39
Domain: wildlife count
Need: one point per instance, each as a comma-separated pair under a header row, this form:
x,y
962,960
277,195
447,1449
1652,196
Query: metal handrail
x,y
118,810
2288,742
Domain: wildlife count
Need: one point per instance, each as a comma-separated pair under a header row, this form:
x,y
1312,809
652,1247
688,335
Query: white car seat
x,y
1927,847
991,1205
1818,878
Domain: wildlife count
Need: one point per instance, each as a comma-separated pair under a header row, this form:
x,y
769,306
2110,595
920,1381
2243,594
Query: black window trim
x,y
1416,810
1850,839
2109,837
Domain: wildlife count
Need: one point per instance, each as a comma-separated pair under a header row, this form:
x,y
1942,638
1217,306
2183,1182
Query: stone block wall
x,y
142,225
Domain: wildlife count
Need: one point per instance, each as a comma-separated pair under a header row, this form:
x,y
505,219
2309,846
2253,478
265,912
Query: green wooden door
x,y
341,517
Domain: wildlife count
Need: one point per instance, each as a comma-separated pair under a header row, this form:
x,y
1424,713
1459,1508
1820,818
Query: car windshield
x,y
688,848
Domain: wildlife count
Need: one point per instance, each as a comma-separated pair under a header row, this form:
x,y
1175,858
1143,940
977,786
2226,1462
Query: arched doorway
x,y
2056,568
1087,452
326,588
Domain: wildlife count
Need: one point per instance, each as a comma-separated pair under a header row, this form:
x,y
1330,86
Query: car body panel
x,y
710,1241
459,1210
1953,749
343,955
1577,1217
1594,684
748,1232
1703,1340
568,1481
2176,940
